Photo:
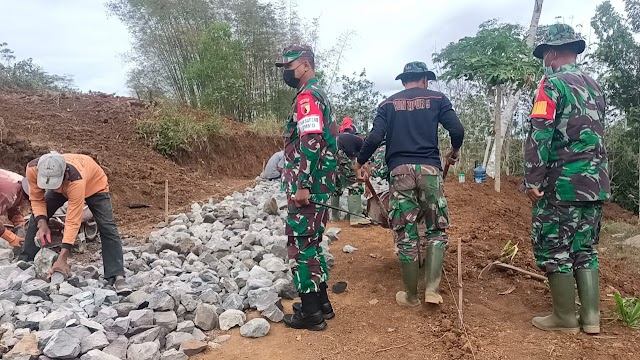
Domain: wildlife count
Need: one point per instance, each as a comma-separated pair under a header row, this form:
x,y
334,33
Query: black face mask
x,y
289,77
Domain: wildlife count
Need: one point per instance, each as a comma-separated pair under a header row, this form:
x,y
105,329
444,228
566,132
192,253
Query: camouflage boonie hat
x,y
560,35
295,52
416,67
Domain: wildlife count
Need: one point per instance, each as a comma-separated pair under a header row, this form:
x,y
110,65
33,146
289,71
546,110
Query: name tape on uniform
x,y
310,125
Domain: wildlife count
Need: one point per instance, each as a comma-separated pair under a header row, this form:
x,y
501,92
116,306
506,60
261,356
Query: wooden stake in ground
x,y
460,280
166,201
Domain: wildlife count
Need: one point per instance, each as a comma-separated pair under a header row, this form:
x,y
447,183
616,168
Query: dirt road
x,y
370,325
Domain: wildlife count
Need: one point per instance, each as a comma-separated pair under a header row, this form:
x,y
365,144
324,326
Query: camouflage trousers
x,y
417,195
305,227
563,235
346,177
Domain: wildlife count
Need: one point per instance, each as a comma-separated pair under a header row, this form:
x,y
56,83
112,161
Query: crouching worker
x,y
12,197
77,179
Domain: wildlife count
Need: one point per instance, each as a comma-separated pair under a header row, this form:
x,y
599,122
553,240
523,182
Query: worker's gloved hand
x,y
453,156
43,236
13,239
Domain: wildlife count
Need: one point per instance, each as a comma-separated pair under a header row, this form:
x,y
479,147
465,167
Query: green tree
x,y
498,59
358,100
219,70
27,75
619,54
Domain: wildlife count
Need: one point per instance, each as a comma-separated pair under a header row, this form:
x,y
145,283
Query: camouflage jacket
x,y
565,154
310,143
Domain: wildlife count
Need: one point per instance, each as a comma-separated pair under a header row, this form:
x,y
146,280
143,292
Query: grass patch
x,y
268,126
171,130
628,310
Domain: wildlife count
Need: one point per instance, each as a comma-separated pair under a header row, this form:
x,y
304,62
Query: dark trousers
x,y
100,206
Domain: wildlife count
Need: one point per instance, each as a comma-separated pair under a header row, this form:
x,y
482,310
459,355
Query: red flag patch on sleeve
x,y
309,116
543,106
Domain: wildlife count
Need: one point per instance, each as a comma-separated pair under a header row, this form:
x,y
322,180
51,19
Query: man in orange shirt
x,y
77,179
11,199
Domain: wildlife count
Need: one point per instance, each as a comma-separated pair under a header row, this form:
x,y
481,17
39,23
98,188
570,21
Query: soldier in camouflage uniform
x,y
349,145
409,122
379,168
308,179
567,180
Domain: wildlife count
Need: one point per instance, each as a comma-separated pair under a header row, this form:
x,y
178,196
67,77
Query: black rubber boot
x,y
325,304
588,290
563,318
310,317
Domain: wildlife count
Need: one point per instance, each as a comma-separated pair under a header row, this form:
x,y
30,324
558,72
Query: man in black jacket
x,y
409,120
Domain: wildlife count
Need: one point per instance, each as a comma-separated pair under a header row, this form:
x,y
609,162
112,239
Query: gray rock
x,y
175,339
43,261
273,313
193,347
97,340
57,278
198,335
44,336
255,328
173,354
124,309
161,301
633,241
231,318
254,284
146,336
222,339
186,326
233,301
332,233
349,249
189,301
12,296
258,272
139,298
106,313
67,289
206,317
118,347
98,355
262,298
167,320
63,345
210,297
145,351
271,207
6,254
140,318
120,325
56,320
90,324
285,288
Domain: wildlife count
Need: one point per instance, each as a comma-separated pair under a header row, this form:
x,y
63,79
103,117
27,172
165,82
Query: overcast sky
x,y
77,37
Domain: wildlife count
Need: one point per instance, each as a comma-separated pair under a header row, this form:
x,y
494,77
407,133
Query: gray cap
x,y
51,168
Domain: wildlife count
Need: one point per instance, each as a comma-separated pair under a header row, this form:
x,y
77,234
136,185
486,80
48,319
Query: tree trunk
x,y
639,184
498,129
512,103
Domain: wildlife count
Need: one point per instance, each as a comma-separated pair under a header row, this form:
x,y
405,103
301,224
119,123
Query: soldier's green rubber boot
x,y
335,202
355,206
588,291
563,294
434,258
409,297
